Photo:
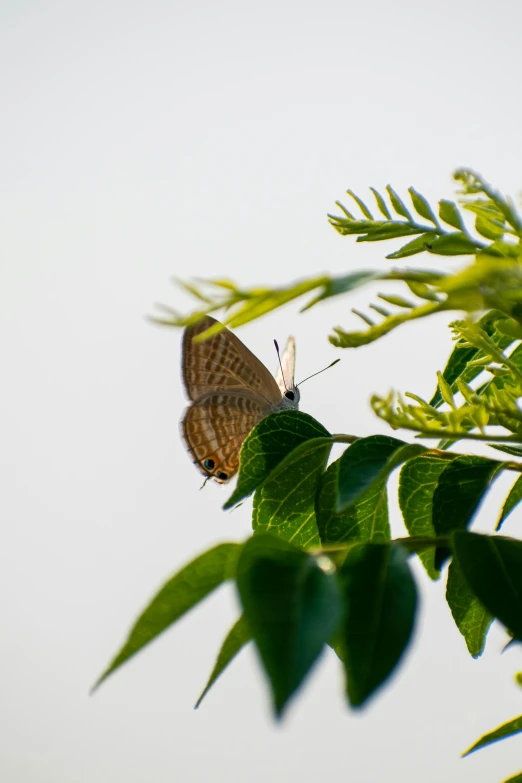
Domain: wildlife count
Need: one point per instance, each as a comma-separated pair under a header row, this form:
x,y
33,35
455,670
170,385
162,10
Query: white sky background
x,y
139,141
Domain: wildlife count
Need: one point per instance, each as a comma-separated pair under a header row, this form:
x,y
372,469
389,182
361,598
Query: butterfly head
x,y
290,399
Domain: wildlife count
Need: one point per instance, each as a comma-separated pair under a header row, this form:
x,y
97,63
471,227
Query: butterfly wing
x,y
215,426
286,379
223,363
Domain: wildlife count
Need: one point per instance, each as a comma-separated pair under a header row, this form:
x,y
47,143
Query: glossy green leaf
x,y
450,214
182,592
512,500
268,444
417,245
454,244
235,640
417,483
421,205
508,729
293,608
366,520
471,618
369,460
284,505
460,488
492,567
380,602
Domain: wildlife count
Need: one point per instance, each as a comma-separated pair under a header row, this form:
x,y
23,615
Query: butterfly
x,y
230,392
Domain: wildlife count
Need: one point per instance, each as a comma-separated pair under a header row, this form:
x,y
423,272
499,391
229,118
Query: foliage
x,y
321,568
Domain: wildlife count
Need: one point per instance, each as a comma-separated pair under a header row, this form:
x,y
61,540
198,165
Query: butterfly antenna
x,y
318,373
281,366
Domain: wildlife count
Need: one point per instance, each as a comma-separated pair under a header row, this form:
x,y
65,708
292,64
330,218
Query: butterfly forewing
x,y
223,362
215,427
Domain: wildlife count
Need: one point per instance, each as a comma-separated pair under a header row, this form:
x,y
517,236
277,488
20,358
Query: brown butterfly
x,y
230,392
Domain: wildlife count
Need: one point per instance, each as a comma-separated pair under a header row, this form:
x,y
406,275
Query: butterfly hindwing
x,y
215,427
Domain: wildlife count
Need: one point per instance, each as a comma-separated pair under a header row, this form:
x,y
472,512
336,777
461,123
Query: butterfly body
x,y
230,392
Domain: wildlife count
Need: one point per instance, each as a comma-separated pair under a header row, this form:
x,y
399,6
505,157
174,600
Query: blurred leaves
x,y
292,607
380,603
182,592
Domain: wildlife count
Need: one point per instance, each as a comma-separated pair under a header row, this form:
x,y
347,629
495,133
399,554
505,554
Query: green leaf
x,y
459,491
471,618
369,460
418,245
510,328
515,779
422,206
348,226
284,505
450,214
398,205
235,640
454,244
508,729
380,601
366,520
512,500
362,206
460,488
182,592
268,444
417,483
492,566
381,204
489,228
390,231
344,339
292,607
341,285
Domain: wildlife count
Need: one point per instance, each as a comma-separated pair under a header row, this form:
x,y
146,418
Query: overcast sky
x,y
145,140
